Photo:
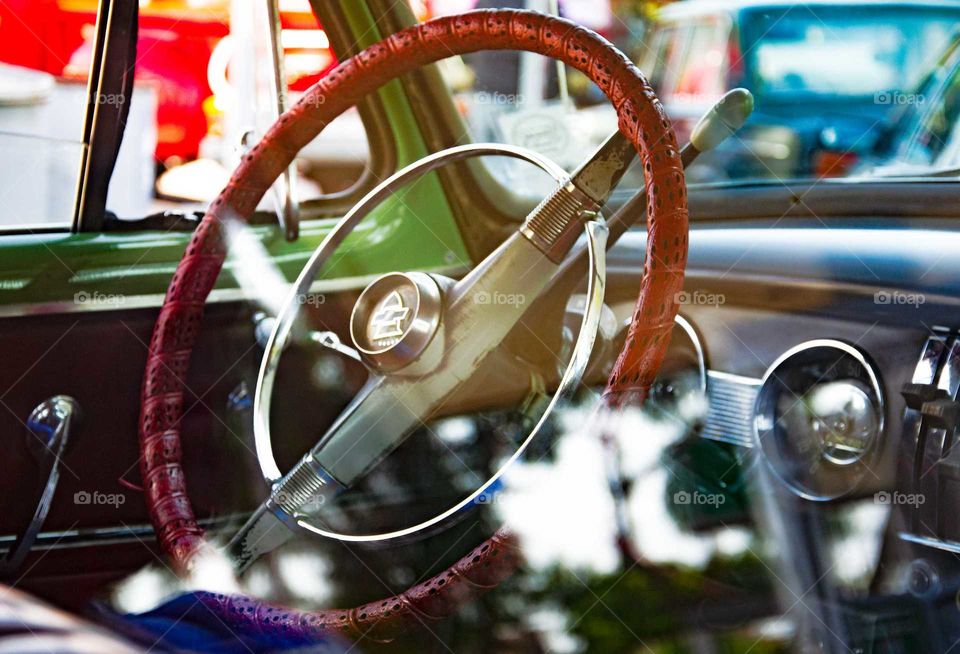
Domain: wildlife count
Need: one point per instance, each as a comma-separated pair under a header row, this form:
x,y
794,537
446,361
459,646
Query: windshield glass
x,y
832,82
926,137
794,51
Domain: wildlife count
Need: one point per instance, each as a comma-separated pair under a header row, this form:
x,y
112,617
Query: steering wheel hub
x,y
395,319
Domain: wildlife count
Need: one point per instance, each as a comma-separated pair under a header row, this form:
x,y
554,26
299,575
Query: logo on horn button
x,y
395,318
388,321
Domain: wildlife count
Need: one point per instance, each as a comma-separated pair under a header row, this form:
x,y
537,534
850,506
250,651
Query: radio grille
x,y
730,416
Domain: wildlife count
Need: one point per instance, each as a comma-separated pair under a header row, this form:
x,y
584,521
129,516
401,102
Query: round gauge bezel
x,y
834,480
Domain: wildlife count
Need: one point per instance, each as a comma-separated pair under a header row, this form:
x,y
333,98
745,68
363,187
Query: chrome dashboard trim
x,y
730,414
738,379
933,367
937,543
730,397
217,296
876,386
949,378
933,350
694,337
113,535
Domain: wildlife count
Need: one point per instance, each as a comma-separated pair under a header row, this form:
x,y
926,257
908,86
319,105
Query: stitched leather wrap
x,y
430,601
641,119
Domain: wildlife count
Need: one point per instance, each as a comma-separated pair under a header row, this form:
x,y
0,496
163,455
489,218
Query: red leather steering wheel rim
x,y
641,119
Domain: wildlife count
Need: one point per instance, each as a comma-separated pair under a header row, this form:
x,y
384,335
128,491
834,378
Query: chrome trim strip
x,y
736,379
694,337
926,369
115,535
730,412
730,397
946,546
217,296
949,378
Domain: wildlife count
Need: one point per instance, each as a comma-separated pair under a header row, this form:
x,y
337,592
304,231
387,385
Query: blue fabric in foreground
x,y
184,624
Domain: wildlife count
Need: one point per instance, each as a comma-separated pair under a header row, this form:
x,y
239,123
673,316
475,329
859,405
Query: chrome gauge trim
x,y
694,337
762,417
831,343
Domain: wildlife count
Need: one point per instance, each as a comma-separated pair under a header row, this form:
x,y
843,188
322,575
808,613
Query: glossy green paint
x,y
414,230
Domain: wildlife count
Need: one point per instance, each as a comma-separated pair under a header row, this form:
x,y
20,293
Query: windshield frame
x,y
111,75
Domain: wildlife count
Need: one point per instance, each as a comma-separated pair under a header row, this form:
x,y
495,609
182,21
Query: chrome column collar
x,y
556,224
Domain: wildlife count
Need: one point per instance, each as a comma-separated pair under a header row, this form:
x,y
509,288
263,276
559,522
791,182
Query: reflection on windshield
x,y
819,113
796,51
925,133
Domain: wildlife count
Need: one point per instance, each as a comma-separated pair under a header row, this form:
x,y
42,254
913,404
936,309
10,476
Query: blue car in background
x,y
825,76
924,135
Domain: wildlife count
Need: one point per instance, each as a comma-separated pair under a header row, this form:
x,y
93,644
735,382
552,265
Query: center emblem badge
x,y
388,321
395,319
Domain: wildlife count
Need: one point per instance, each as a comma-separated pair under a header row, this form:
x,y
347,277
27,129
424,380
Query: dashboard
x,y
829,363
815,367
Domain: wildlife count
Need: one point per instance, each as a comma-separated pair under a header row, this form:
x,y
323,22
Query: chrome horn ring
x,y
596,233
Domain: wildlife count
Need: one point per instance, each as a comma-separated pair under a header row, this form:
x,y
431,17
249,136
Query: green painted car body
x,y
62,271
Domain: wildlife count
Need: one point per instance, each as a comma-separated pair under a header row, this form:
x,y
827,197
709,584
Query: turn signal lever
x,y
555,225
722,120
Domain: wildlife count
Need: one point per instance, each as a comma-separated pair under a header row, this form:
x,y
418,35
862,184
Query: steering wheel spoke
x,y
429,335
389,407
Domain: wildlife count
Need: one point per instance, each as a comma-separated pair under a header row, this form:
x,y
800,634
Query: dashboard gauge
x,y
819,418
679,392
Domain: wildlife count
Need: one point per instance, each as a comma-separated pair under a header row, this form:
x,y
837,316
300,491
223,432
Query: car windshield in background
x,y
841,87
794,51
831,80
924,137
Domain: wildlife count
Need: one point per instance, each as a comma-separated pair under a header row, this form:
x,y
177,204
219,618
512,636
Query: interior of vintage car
x,y
479,325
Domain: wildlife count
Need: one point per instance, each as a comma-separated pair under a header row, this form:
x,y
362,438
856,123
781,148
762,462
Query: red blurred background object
x,y
176,40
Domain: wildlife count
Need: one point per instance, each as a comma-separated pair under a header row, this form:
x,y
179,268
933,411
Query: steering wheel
x,y
416,354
